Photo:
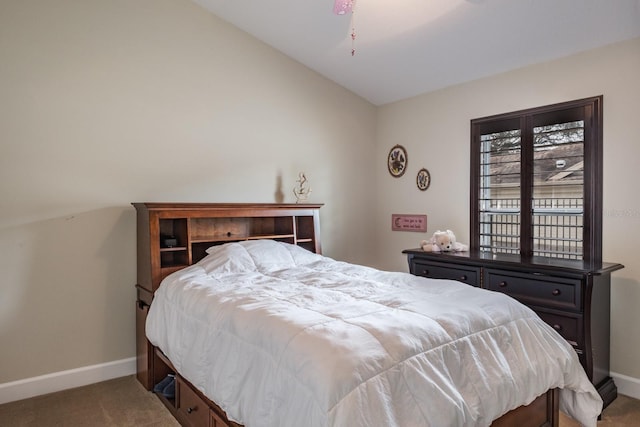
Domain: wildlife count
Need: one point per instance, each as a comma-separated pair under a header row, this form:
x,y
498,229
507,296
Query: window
x,y
536,182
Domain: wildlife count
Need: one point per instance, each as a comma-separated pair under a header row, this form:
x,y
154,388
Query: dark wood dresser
x,y
571,296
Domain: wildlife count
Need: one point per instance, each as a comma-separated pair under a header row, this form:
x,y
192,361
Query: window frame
x,y
592,182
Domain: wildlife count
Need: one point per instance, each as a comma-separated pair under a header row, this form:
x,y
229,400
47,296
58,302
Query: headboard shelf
x,y
175,235
239,238
173,249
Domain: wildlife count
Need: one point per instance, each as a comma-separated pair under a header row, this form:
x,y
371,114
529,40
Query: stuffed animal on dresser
x,y
443,241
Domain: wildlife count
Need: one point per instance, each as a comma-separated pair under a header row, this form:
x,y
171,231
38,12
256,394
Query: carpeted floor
x,y
119,402
124,402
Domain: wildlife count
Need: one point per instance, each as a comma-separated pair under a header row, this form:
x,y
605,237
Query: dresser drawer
x,y
568,327
191,408
434,270
537,290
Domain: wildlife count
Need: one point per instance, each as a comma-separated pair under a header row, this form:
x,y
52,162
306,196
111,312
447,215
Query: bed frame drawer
x,y
537,290
215,420
192,410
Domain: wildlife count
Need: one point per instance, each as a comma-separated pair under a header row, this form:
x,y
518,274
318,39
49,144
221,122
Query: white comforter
x,y
278,336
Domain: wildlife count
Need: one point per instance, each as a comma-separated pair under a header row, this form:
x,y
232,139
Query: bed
x,y
276,335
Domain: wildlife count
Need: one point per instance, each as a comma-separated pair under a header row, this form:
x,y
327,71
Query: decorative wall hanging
x,y
423,180
342,7
302,190
397,161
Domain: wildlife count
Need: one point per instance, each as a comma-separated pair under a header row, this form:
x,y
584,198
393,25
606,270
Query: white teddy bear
x,y
443,241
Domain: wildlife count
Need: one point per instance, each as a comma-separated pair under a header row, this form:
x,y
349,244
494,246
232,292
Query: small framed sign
x,y
403,222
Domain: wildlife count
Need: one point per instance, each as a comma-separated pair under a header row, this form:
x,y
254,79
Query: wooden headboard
x,y
172,236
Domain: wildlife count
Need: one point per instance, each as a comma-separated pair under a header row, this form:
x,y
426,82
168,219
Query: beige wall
x,y
434,128
103,103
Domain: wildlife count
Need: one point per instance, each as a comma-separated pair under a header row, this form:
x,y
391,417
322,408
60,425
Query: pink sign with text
x,y
403,222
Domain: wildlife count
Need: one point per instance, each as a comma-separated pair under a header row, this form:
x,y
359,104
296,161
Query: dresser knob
x,y
425,272
555,292
463,277
190,410
557,327
503,284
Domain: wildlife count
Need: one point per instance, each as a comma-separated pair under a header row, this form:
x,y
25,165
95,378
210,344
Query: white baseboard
x,y
57,381
628,386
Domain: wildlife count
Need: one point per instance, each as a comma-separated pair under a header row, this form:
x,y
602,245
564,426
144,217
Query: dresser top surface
x,y
510,260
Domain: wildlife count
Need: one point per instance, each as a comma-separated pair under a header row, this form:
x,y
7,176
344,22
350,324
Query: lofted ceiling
x,y
407,47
